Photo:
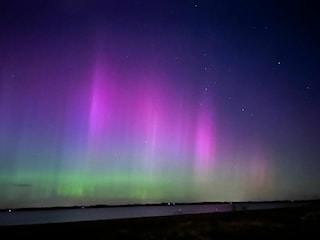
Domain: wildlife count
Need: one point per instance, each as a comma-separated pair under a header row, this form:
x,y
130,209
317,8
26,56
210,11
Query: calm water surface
x,y
85,214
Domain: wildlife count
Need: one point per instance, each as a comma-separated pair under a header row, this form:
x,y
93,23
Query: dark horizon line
x,y
155,204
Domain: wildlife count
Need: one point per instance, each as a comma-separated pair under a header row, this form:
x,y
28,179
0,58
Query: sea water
x,y
24,217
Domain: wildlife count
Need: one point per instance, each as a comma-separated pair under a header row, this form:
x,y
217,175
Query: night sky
x,y
123,102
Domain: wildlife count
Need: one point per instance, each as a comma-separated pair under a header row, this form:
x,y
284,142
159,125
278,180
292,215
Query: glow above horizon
x,y
129,113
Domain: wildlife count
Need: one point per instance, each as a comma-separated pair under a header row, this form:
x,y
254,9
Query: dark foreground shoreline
x,y
285,223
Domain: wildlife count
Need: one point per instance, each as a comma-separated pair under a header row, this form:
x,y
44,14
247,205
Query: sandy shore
x,y
283,223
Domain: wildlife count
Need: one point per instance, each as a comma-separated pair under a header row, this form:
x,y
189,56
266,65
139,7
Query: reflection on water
x,y
11,217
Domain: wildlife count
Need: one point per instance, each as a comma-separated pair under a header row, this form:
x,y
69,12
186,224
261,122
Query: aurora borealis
x,y
122,102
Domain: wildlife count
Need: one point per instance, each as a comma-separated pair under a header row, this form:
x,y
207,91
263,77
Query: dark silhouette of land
x,y
158,204
280,223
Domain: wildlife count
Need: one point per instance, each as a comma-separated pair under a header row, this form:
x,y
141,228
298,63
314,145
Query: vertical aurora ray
x,y
260,170
101,106
204,146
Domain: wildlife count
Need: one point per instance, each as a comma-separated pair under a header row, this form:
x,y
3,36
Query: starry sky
x,y
124,102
